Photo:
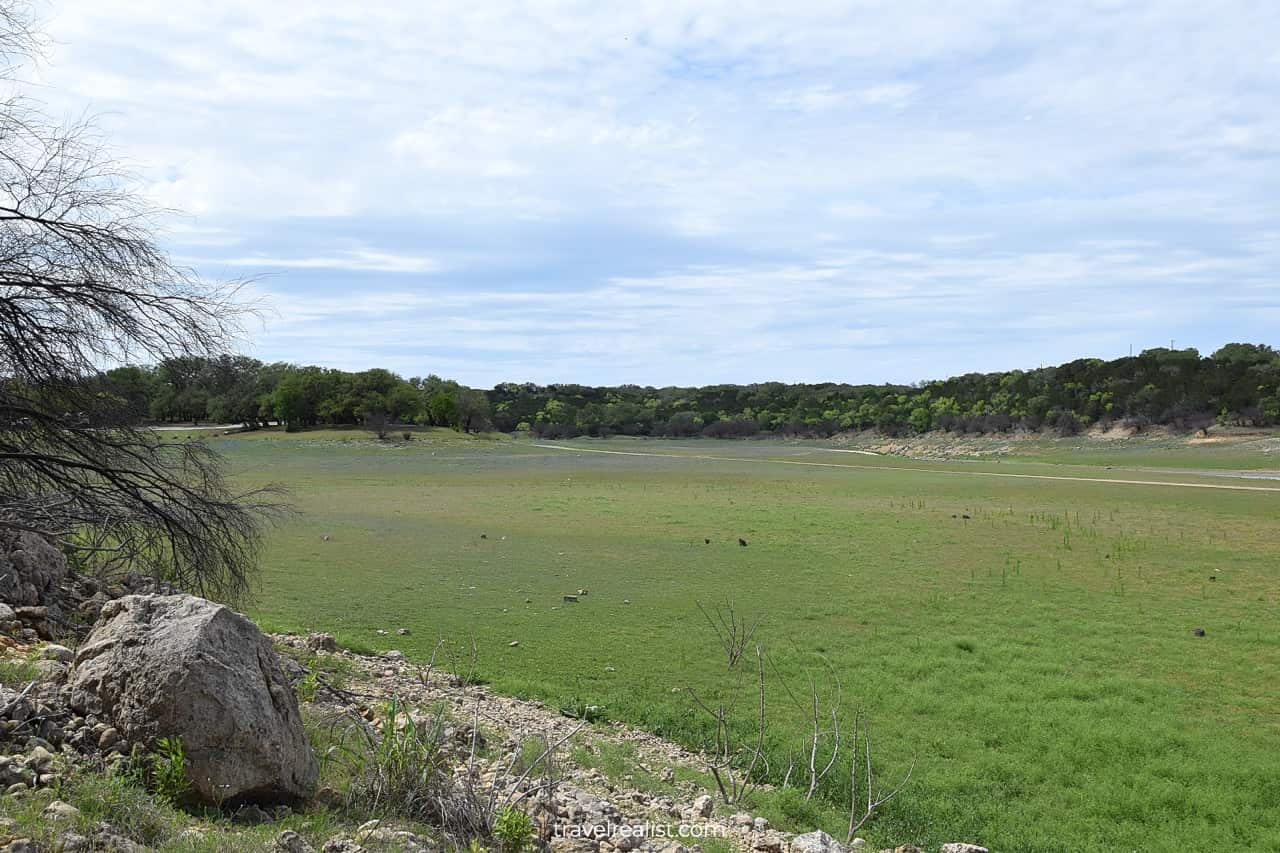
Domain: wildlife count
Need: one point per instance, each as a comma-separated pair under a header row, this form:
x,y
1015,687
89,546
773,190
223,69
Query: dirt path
x,y
1107,480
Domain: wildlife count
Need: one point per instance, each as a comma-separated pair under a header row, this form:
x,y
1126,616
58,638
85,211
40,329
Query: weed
x,y
513,830
169,779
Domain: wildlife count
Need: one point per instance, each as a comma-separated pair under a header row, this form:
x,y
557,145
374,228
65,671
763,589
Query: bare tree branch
x,y
84,285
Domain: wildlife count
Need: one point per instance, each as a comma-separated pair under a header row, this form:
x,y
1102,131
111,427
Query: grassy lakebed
x,y
1036,659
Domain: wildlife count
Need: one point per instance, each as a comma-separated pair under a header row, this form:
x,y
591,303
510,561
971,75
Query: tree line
x,y
1238,384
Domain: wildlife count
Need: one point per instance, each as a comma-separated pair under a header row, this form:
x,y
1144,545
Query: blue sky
x,y
690,193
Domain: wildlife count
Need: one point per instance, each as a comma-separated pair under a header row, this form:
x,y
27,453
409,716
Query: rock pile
x,y
41,599
586,812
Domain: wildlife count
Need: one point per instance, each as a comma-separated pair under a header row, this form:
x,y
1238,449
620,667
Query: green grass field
x,y
1037,660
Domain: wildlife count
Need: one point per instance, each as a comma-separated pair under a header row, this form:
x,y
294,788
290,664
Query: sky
x,y
693,193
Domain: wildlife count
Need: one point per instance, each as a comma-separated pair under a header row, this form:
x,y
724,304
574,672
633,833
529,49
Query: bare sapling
x,y
733,631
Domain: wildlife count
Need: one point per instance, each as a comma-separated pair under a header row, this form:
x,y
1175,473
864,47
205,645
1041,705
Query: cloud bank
x,y
688,193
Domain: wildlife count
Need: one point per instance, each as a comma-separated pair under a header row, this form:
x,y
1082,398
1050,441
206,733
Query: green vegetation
x,y
1036,659
513,830
403,773
1237,385
136,813
17,671
169,771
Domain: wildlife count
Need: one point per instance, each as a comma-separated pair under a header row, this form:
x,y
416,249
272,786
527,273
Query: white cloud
x,y
857,316
674,188
364,260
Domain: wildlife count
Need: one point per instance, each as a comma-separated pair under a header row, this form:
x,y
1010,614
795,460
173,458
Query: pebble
x,y
58,810
53,651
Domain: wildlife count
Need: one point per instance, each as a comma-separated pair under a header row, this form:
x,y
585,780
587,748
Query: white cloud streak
x,y
584,191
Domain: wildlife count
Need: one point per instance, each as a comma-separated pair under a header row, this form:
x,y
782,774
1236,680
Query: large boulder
x,y
176,665
31,568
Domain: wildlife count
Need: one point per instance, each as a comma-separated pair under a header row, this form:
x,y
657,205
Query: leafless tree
x,y
865,799
822,746
733,631
84,285
737,767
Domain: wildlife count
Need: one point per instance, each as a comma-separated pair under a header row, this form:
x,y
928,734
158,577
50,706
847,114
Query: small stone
x,y
110,737
322,642
73,843
53,651
40,756
371,832
250,815
513,643
403,632
961,847
341,845
858,843
741,819
52,671
19,845
394,655
329,798
771,842
16,789
760,824
58,810
107,840
703,806
816,842
290,842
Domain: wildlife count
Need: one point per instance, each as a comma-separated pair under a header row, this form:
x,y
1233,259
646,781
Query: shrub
x,y
307,686
402,770
169,779
513,830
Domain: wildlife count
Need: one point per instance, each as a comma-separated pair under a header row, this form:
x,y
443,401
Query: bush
x,y
169,771
402,770
513,830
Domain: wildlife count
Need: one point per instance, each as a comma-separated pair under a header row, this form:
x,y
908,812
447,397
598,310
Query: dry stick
x,y
425,675
733,633
813,745
721,741
853,778
344,696
816,776
733,787
872,802
545,753
759,751
13,703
